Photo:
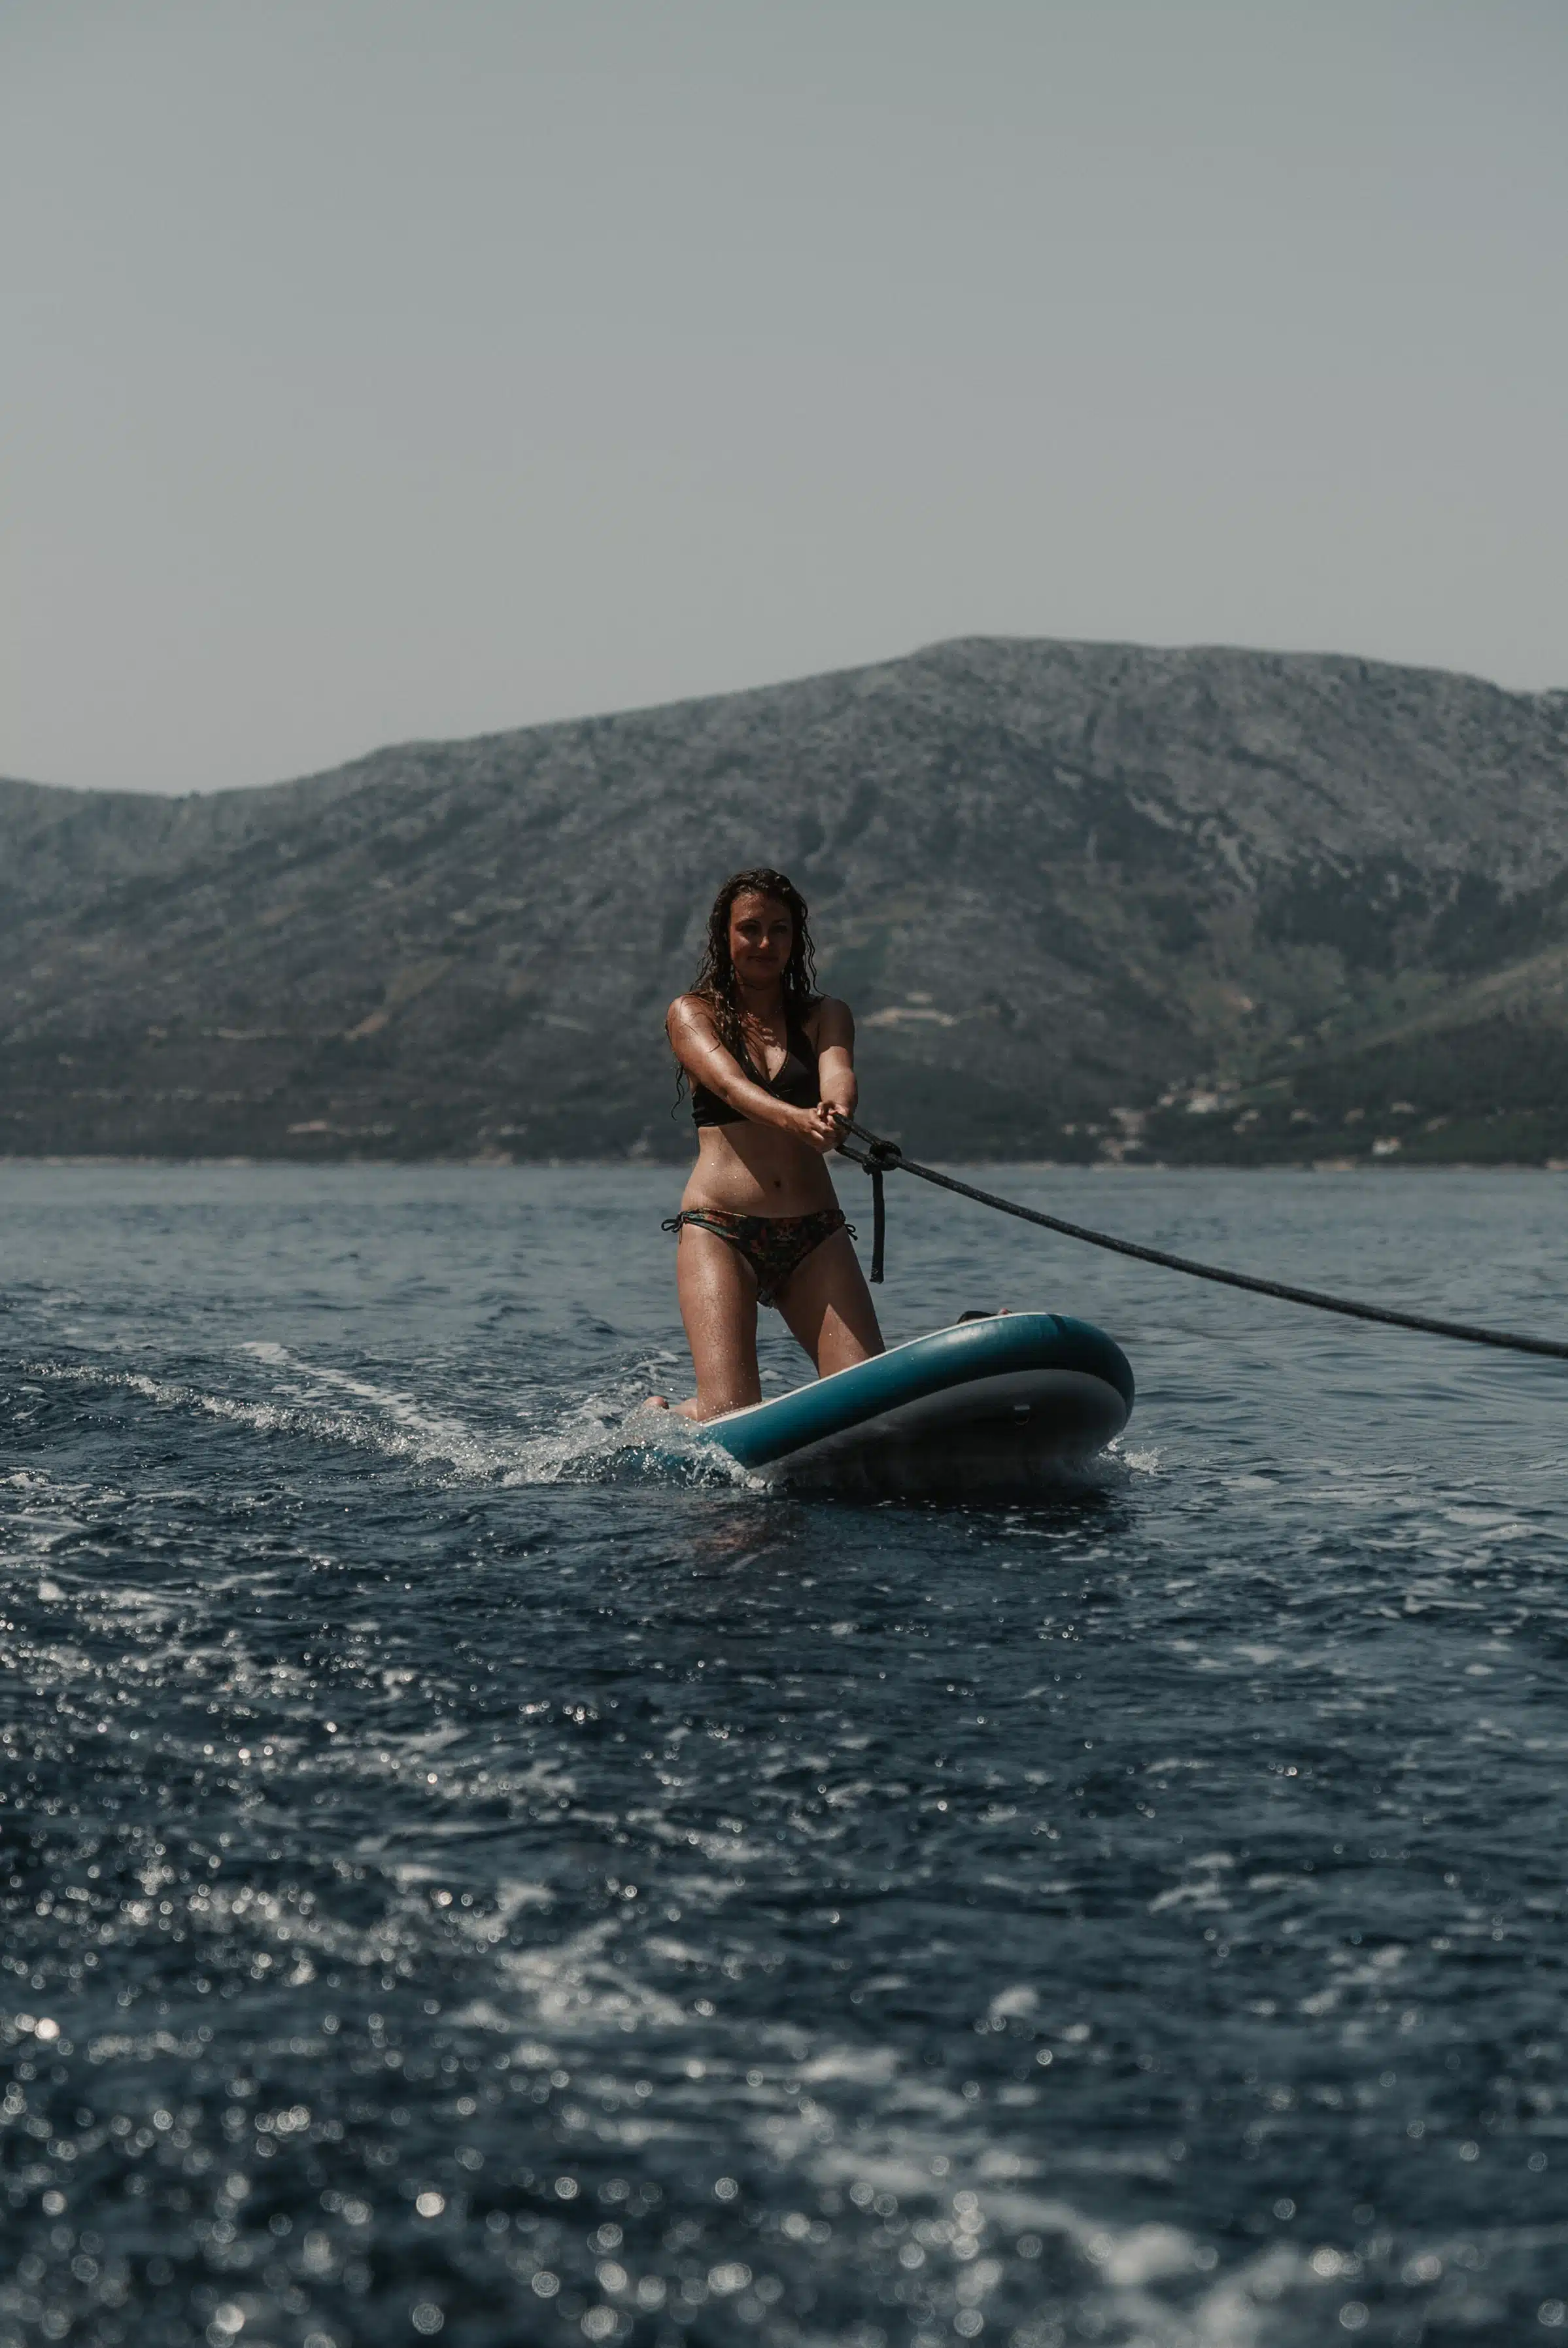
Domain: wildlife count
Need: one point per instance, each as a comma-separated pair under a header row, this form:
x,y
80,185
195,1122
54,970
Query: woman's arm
x,y
835,1055
695,1043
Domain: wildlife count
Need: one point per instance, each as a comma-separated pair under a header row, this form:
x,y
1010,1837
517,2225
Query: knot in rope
x,y
878,1157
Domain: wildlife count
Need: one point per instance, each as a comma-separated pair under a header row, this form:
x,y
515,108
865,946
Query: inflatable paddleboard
x,y
992,1408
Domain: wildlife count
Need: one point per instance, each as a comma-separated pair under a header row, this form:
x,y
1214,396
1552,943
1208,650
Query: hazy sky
x,y
378,369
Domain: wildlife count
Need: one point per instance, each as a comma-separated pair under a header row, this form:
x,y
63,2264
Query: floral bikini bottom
x,y
774,1246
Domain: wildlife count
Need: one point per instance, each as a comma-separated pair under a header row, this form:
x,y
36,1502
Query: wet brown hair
x,y
714,984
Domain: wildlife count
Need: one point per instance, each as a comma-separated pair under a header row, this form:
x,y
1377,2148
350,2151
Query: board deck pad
x,y
990,1408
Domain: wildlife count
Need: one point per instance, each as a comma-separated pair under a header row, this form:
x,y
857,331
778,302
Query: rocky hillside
x,y
1088,900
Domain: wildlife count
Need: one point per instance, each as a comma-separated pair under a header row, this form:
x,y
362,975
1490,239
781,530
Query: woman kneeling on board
x,y
768,1062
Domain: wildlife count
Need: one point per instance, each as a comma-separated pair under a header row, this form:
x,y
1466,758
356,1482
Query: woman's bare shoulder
x,y
689,1011
830,1022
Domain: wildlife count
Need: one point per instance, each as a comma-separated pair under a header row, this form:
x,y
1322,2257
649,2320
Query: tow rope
x,y
880,1158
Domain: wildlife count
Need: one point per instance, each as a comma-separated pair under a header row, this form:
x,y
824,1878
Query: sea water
x,y
464,1879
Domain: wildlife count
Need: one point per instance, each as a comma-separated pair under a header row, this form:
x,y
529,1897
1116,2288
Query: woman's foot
x,y
687,1409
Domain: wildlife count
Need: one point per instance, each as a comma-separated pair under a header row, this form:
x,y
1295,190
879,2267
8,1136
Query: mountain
x,y
1088,900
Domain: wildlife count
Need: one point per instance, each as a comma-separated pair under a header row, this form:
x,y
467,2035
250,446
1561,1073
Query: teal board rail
x,y
952,1358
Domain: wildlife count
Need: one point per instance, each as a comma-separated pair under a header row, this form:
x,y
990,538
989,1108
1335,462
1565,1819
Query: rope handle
x,y
879,1157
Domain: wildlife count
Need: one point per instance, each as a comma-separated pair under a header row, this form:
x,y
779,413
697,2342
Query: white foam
x,y
1144,1462
602,1436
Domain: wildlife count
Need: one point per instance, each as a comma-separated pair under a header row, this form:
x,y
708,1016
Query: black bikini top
x,y
796,1082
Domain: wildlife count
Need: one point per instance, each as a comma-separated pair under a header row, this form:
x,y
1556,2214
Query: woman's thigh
x,y
719,1308
828,1307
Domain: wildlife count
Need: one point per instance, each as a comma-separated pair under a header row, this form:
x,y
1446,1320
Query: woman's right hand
x,y
818,1127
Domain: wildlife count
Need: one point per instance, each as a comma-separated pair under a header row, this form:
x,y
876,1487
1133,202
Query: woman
x,y
770,1065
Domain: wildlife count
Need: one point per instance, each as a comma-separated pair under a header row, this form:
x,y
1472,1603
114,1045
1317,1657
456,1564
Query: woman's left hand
x,y
820,1129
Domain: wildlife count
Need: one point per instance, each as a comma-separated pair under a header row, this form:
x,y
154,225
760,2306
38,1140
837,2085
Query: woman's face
x,y
762,939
